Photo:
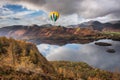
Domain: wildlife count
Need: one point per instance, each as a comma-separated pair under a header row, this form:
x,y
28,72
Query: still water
x,y
95,55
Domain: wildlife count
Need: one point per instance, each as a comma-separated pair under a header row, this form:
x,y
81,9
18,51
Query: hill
x,y
113,26
24,32
21,60
38,34
82,33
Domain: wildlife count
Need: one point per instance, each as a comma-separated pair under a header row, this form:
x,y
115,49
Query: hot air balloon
x,y
54,16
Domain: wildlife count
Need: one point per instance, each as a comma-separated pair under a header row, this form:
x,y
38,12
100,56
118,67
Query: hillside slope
x,y
82,71
21,60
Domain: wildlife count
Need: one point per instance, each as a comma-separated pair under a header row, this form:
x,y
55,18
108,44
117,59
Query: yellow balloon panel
x,y
55,13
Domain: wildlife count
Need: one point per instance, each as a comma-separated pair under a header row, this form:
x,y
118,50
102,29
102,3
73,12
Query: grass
x,y
81,70
112,33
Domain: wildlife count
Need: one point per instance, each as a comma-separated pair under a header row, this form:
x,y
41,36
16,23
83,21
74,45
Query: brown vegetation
x,y
21,57
82,71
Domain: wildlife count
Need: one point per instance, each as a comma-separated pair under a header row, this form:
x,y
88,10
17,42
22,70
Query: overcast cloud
x,y
85,8
102,10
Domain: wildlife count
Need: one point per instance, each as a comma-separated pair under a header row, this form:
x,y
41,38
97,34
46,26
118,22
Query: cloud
x,y
72,11
9,17
17,15
95,8
84,8
94,55
5,11
22,14
16,18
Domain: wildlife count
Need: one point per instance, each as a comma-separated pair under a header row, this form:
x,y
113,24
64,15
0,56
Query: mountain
x,y
82,33
17,30
96,25
42,33
21,60
112,26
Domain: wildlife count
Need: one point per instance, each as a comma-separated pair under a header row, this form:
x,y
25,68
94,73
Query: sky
x,y
29,12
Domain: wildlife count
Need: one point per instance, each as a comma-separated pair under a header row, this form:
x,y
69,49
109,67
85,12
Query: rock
x,y
103,44
111,51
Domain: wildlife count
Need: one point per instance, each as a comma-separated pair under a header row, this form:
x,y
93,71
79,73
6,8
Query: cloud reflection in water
x,y
92,54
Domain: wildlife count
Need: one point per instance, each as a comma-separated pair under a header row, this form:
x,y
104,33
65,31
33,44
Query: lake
x,y
94,55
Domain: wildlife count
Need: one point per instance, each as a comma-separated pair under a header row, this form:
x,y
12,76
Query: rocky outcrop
x,y
103,44
111,51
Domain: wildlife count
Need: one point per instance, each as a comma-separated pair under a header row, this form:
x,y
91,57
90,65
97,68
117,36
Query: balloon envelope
x,y
54,16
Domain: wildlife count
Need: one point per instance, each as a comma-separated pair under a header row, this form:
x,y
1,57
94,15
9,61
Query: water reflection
x,y
90,53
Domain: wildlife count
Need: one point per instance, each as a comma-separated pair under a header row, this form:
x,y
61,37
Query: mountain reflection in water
x,y
94,55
